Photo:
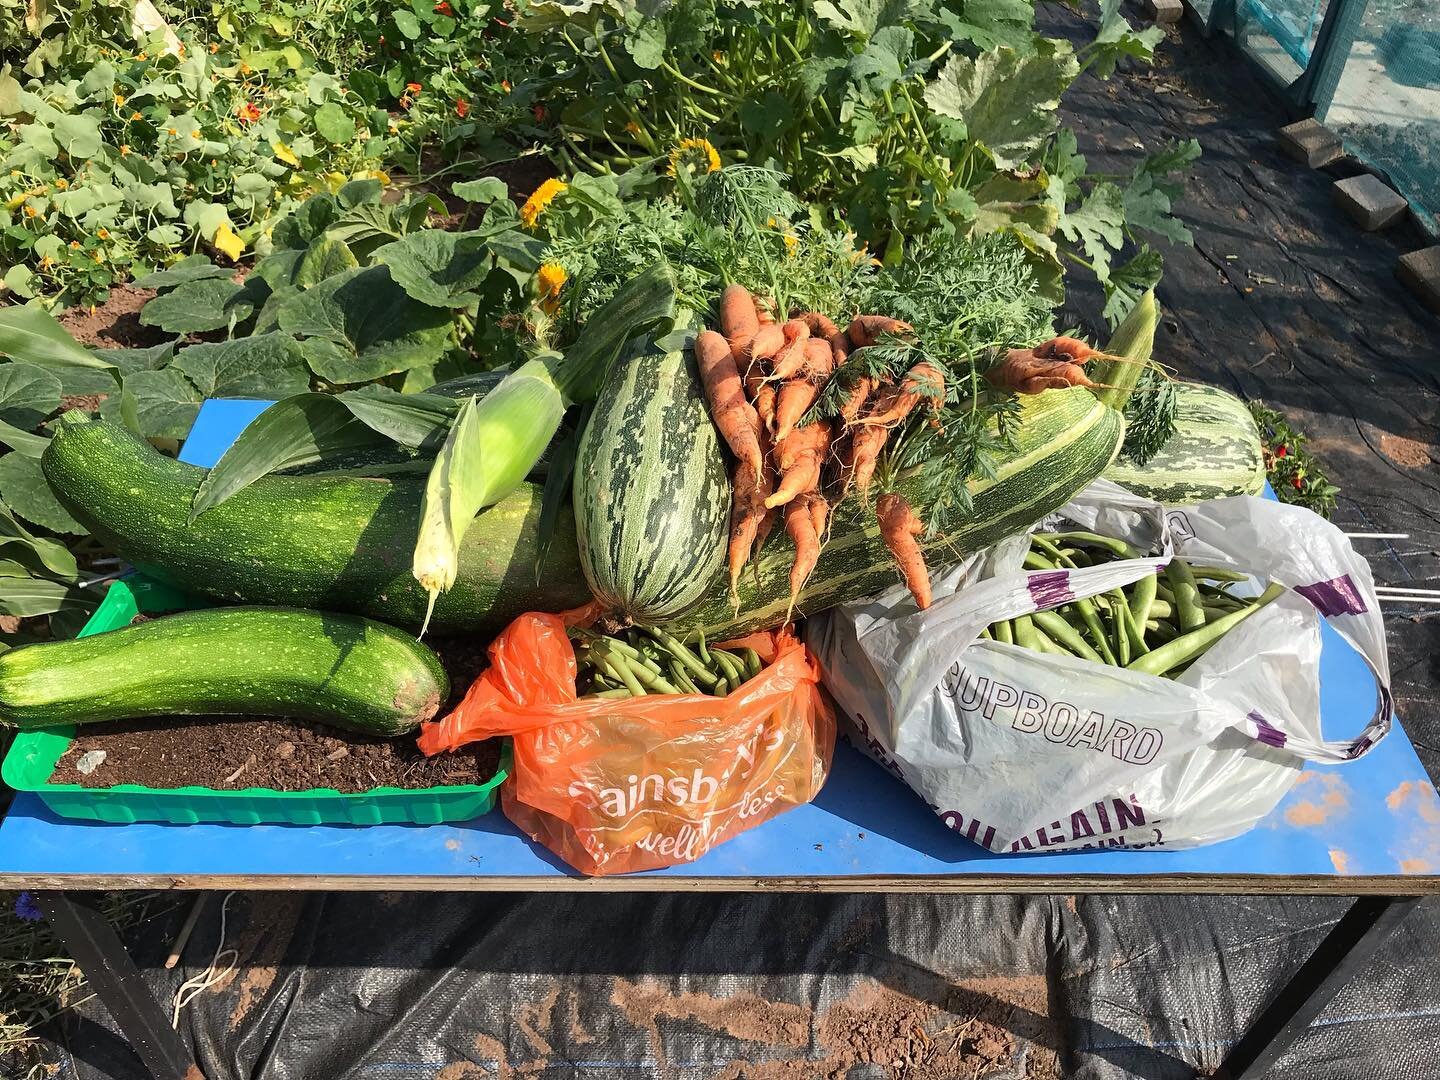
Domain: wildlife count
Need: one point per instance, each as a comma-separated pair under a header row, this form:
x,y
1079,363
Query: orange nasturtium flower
x,y
248,113
124,150
543,197
413,88
103,234
462,108
444,8
214,48
136,116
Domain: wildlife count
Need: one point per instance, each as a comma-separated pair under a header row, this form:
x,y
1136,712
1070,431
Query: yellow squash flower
x,y
703,151
228,242
543,197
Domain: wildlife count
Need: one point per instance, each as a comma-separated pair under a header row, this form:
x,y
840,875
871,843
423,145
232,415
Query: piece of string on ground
x,y
214,973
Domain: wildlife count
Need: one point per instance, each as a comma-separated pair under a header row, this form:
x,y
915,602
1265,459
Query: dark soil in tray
x,y
229,753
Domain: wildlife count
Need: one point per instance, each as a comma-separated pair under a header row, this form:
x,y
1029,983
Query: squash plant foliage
x,y
900,115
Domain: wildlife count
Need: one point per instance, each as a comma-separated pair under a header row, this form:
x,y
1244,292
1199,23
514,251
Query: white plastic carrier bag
x,y
1023,751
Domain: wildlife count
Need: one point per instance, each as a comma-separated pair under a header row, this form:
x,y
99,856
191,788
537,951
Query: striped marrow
x,y
1066,438
1214,453
651,497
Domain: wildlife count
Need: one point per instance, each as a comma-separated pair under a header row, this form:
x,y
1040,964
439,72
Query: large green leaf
x,y
128,360
1007,101
28,394
38,596
26,492
78,136
165,403
992,23
190,268
295,431
196,307
1098,225
1115,40
267,366
439,268
1019,203
21,441
325,257
46,555
30,334
360,325
413,420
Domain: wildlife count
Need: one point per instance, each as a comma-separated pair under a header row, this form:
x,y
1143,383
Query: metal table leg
x,y
1350,945
96,947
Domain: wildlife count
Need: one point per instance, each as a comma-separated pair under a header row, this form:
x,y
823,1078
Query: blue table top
x,y
1368,826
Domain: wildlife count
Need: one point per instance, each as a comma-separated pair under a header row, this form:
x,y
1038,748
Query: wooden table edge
x,y
1013,884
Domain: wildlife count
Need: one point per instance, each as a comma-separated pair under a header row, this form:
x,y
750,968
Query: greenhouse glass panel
x,y
1387,105
1279,34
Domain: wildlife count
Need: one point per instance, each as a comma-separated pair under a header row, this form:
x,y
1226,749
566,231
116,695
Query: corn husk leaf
x,y
490,449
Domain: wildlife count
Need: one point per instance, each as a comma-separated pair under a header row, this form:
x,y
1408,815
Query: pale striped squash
x,y
1215,452
651,496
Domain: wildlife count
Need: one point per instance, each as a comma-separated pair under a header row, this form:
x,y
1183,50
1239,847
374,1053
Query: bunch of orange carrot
x,y
761,377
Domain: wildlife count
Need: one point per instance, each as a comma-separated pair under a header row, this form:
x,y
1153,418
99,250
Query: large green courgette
x,y
331,543
244,661
344,543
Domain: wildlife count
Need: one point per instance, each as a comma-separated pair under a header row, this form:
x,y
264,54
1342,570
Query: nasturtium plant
x,y
146,148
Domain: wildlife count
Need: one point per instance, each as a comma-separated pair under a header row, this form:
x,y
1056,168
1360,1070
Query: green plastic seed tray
x,y
32,757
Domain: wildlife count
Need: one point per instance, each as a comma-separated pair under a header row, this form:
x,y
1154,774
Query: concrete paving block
x,y
1419,272
1371,203
1310,143
1163,11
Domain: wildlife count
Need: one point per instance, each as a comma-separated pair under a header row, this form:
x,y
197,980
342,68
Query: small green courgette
x,y
242,661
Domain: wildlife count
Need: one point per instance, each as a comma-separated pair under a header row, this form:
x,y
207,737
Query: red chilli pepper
x,y
1280,451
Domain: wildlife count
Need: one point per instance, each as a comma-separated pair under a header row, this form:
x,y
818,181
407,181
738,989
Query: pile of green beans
x,y
642,661
1158,625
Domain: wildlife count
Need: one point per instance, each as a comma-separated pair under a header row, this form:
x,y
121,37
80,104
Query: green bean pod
x,y
1188,646
1108,543
1100,639
1058,630
1189,614
1142,599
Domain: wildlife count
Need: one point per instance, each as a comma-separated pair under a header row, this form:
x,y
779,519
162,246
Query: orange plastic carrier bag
x,y
613,785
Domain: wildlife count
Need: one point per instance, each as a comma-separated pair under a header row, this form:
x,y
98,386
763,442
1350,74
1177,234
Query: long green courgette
x,y
245,661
